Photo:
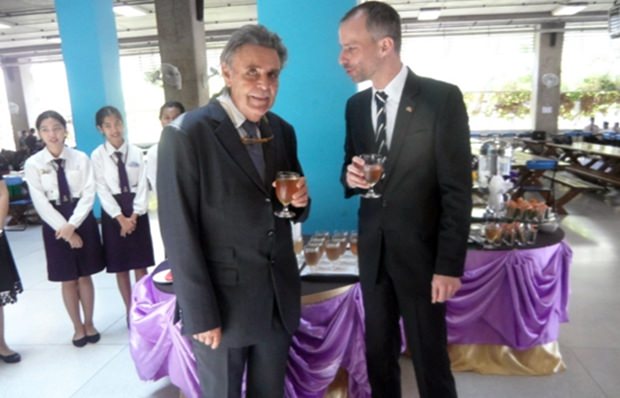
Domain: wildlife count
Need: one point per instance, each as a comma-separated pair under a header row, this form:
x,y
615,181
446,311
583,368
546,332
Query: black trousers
x,y
425,330
220,371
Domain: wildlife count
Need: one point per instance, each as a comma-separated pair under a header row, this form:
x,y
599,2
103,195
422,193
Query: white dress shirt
x,y
106,177
151,167
40,173
234,114
394,91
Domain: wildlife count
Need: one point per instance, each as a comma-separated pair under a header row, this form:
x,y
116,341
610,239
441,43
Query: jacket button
x,y
384,203
267,200
270,233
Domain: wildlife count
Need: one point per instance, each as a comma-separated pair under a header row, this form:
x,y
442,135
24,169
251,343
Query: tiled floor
x,y
38,327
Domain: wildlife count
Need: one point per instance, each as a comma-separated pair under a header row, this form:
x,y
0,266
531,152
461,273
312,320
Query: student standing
x,y
62,189
10,284
167,113
122,188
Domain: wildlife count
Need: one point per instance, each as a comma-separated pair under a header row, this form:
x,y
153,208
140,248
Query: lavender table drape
x,y
155,342
330,337
515,298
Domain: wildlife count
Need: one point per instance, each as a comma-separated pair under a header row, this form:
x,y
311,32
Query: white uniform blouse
x,y
151,166
40,173
106,177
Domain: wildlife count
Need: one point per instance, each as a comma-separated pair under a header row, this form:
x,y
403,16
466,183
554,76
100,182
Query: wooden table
x,y
600,163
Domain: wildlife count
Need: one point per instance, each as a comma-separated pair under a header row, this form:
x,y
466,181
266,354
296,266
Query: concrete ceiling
x,y
33,35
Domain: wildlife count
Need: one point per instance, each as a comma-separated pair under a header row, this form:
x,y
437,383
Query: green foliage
x,y
501,104
596,95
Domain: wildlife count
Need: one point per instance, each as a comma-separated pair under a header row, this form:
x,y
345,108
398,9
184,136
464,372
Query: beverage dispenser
x,y
494,165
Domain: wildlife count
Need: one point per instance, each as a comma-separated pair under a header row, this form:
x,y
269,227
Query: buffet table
x,y
327,346
504,320
506,317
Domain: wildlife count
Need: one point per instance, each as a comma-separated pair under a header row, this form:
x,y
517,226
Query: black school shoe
x,y
80,342
13,358
94,338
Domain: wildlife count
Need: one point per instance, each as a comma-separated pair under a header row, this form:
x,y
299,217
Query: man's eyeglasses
x,y
256,140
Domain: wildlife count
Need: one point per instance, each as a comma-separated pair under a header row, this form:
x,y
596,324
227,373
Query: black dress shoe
x,y
13,358
80,342
93,338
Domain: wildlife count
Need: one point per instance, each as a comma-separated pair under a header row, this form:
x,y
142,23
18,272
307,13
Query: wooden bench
x,y
595,175
574,184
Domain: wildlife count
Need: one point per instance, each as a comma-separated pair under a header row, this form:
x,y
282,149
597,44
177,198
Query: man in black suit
x,y
235,272
412,240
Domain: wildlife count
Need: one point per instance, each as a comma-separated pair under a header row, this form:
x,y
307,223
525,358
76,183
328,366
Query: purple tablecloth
x,y
516,298
155,342
330,337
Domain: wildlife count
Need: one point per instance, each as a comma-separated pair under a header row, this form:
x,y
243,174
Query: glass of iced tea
x,y
333,251
312,255
353,243
286,187
373,171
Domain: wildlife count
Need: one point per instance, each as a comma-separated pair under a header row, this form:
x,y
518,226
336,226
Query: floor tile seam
x,y
101,368
587,370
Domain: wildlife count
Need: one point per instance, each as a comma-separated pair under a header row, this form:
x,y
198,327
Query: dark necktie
x,y
255,150
122,172
64,193
380,135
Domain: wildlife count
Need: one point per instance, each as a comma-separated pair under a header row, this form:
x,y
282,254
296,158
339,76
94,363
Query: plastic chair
x,y
19,203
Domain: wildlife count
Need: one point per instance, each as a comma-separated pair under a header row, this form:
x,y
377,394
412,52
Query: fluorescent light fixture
x,y
128,11
5,25
568,9
429,14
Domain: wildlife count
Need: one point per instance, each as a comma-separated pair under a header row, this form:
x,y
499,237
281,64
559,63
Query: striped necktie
x,y
64,193
380,135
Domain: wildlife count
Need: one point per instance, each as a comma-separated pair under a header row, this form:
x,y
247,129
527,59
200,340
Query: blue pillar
x,y
312,97
91,57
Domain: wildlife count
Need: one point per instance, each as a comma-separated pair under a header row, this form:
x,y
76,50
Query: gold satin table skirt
x,y
490,359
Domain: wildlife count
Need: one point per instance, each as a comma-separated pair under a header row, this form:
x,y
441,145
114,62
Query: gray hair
x,y
253,34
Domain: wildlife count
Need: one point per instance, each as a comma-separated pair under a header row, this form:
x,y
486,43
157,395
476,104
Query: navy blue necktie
x,y
380,135
122,172
64,193
255,150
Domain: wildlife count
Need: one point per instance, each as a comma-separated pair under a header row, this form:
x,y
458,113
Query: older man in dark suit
x,y
412,240
235,272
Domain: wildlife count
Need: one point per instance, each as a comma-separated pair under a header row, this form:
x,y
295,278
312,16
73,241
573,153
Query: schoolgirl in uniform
x,y
167,113
62,188
10,284
122,188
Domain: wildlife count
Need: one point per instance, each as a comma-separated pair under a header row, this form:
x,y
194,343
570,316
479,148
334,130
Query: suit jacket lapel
x,y
404,121
368,133
269,151
228,135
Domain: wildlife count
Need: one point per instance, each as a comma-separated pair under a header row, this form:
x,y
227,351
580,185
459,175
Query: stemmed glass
x,y
353,242
333,250
373,171
286,187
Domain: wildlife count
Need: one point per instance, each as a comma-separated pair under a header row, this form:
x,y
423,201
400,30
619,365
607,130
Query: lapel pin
x,y
409,109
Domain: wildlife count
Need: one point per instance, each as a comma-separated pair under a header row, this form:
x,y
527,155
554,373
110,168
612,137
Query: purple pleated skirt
x,y
133,251
65,263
